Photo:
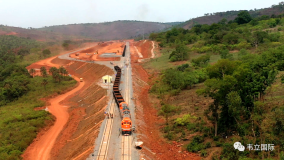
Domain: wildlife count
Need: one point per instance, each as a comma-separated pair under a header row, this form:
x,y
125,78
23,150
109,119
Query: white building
x,y
107,79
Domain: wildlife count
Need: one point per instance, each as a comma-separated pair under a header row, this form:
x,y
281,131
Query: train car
x,y
126,123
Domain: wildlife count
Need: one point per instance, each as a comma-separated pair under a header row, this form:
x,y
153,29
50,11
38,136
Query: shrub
x,y
167,129
202,60
203,153
218,144
182,67
215,138
204,49
243,45
196,144
180,53
229,152
169,136
208,145
191,126
201,75
282,156
184,120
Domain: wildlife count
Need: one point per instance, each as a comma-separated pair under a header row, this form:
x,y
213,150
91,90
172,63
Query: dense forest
x,y
251,60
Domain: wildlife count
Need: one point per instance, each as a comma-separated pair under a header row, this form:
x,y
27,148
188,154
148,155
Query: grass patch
x,y
20,123
160,63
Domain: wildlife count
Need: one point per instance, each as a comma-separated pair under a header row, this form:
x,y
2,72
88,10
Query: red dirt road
x,y
41,149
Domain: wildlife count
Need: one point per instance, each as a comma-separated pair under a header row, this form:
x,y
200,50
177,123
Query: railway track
x,y
126,148
126,140
103,151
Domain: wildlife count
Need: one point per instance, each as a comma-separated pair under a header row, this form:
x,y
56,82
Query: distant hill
x,y
34,34
210,18
92,31
109,30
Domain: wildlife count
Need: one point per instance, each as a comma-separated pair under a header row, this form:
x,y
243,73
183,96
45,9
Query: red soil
x,y
12,33
41,149
144,47
150,134
70,116
102,47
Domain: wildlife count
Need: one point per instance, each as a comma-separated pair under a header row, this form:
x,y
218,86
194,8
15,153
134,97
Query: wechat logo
x,y
239,146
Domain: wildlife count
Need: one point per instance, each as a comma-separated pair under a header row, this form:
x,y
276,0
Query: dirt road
x,y
41,148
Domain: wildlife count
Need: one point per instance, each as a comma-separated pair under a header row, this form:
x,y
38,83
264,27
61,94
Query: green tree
x,y
190,79
243,17
62,70
46,52
231,38
65,45
223,21
44,83
32,72
167,111
52,70
43,72
15,86
225,54
258,37
254,22
180,53
235,105
23,52
174,79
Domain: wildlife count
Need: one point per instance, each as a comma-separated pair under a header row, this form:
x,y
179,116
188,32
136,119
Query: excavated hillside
x,y
76,141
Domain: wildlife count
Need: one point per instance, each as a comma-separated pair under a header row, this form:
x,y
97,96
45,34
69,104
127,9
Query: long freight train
x,y
126,123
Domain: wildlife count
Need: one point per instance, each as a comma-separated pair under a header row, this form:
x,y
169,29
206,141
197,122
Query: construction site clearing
x,y
103,51
80,112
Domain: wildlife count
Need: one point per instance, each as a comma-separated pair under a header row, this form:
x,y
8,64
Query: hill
x,y
109,30
93,31
35,34
210,18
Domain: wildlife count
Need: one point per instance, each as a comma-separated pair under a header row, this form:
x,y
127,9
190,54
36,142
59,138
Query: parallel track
x,y
102,154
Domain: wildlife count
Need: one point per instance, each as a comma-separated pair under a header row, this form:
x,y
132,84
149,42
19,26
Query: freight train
x,y
126,123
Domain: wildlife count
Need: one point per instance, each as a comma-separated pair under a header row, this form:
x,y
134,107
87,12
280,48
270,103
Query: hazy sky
x,y
39,13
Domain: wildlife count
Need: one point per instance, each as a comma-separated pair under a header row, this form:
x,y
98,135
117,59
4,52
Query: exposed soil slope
x,y
78,114
144,47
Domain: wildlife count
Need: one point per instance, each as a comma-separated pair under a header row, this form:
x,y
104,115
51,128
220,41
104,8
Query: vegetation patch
x,y
20,94
228,89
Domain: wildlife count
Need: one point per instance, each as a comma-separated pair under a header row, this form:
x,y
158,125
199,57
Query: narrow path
x,y
40,150
152,50
139,54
